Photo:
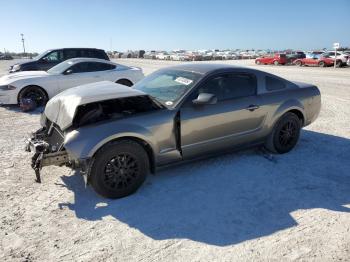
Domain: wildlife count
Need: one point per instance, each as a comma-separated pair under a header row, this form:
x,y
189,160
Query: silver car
x,y
115,135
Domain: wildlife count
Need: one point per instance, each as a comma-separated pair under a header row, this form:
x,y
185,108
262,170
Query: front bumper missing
x,y
43,157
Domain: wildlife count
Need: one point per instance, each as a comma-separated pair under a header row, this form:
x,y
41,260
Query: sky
x,y
174,24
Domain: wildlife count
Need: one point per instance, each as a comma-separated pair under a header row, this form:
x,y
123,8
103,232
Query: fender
x,y
291,104
79,147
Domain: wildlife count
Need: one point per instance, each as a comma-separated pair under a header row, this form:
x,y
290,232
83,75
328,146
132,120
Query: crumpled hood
x,y
22,75
61,108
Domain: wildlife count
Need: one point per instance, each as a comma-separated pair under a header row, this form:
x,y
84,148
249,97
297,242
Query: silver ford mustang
x,y
115,135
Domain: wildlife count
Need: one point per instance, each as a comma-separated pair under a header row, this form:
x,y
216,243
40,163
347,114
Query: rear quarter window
x,y
273,84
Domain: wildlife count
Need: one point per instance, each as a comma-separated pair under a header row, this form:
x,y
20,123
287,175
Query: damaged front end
x,y
47,146
52,146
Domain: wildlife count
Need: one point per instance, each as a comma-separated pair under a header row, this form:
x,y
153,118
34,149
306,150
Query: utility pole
x,y
24,49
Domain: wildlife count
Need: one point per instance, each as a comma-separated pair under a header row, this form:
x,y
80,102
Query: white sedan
x,y
40,86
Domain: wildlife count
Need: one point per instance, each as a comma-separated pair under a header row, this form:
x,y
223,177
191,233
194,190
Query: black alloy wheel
x,y
285,134
119,168
120,172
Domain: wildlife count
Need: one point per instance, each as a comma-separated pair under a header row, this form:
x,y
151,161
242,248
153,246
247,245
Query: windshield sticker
x,y
169,103
183,80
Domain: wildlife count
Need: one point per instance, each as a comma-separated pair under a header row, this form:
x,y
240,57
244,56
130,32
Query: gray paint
x,y
204,129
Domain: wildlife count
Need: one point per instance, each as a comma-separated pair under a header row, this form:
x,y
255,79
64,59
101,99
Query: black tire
x,y
339,63
119,169
276,63
257,62
36,93
125,82
285,134
298,63
322,64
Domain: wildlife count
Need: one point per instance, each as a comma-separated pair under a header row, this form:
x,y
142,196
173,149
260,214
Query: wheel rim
x,y
36,95
288,134
120,172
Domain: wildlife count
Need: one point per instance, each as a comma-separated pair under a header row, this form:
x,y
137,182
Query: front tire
x,y
35,93
285,134
276,63
322,64
119,169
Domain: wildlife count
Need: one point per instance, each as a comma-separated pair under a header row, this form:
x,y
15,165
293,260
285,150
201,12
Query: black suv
x,y
53,57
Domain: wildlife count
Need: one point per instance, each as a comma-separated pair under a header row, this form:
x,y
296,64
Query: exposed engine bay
x,y
112,109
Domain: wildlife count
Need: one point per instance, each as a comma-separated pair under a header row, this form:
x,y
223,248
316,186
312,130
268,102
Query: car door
x,y
50,60
234,119
79,74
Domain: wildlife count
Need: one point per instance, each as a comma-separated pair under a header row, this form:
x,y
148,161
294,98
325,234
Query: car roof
x,y
203,68
78,48
89,59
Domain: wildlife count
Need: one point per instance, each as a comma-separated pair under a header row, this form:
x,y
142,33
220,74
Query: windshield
x,y
168,86
41,55
60,68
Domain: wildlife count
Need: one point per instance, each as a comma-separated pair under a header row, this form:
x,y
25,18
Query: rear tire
x,y
298,63
276,63
119,169
339,63
285,134
36,93
257,62
125,82
322,64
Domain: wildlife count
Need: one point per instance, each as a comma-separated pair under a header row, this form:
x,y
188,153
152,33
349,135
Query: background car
x,y
341,58
315,60
6,57
291,57
117,135
50,58
277,59
40,86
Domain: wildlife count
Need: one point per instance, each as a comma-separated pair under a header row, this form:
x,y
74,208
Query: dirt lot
x,y
238,207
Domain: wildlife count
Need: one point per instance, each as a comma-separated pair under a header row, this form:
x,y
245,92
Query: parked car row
x,y
321,59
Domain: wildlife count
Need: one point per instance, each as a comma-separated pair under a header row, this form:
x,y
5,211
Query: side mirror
x,y
68,72
205,99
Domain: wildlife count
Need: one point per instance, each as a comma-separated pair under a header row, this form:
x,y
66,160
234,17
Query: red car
x,y
277,59
315,61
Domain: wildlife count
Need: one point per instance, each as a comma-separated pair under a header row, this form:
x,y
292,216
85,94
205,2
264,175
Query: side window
x,y
99,54
54,56
238,85
70,53
104,67
95,66
273,84
228,86
80,68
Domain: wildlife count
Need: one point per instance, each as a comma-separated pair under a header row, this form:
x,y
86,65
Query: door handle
x,y
252,107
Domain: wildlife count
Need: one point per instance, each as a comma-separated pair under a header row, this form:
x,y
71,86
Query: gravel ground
x,y
237,207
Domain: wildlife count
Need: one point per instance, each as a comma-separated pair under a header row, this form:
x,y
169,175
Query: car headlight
x,y
7,87
16,67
